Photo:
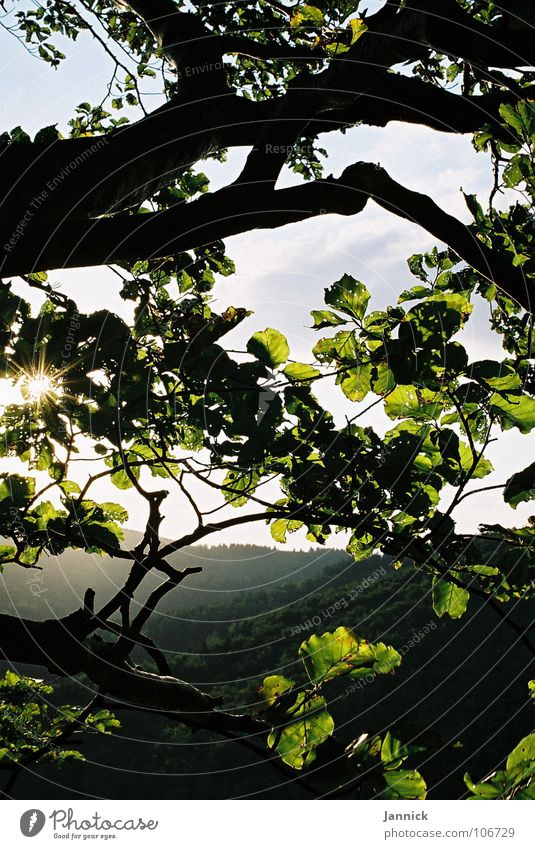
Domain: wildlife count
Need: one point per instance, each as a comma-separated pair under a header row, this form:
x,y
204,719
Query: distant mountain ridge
x,y
58,587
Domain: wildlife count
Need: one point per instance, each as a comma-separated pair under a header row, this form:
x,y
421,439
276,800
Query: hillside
x,y
228,570
452,694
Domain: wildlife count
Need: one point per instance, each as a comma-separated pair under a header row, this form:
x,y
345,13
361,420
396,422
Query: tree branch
x,y
411,100
205,220
64,648
447,28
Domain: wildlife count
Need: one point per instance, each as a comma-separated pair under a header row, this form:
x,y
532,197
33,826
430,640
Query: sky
x,y
281,274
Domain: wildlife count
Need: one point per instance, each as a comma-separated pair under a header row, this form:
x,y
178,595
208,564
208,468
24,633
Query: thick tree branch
x,y
171,28
124,167
63,647
210,218
447,28
413,101
194,50
42,183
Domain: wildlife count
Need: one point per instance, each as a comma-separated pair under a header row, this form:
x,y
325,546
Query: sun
x,y
36,387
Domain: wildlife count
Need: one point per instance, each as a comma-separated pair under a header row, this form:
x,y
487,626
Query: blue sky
x,y
281,274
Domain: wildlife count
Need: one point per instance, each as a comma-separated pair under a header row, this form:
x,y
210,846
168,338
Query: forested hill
x,y
244,617
452,693
58,588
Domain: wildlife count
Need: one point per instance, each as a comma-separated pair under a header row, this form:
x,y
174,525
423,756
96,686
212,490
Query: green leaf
x,y
475,208
516,170
498,376
11,679
269,346
520,486
297,372
341,348
386,380
360,545
413,402
512,117
69,487
414,294
296,743
356,382
121,480
306,14
7,553
326,318
336,48
483,468
515,411
494,788
103,721
280,527
239,485
19,136
526,110
358,28
48,134
524,752
404,784
394,752
342,653
349,296
434,321
114,511
16,488
274,686
415,263
449,598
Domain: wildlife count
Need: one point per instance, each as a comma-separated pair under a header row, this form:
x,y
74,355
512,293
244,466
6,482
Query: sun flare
x,y
35,387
